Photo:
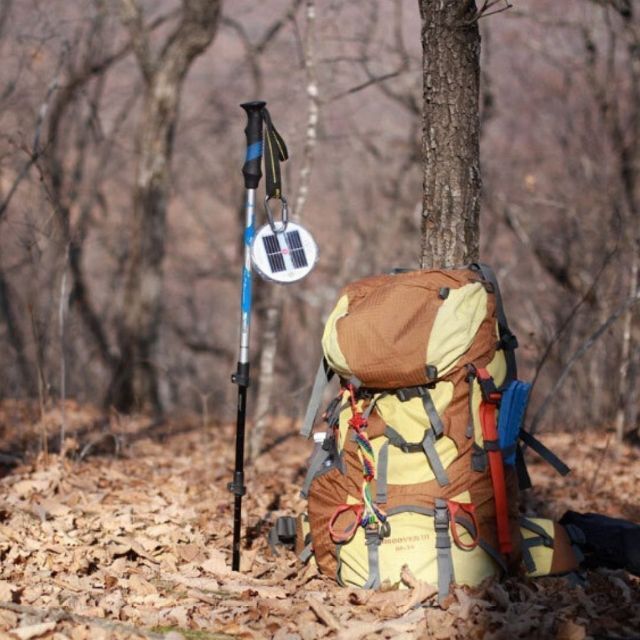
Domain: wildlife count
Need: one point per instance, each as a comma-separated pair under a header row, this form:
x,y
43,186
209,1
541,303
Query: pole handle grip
x,y
251,170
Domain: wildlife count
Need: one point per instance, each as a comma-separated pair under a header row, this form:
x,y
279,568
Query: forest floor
x,y
129,536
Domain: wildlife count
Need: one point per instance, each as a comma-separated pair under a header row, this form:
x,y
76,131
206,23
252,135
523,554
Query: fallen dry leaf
x,y
33,630
569,630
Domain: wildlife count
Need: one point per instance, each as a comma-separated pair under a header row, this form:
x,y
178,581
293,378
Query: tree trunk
x,y
134,383
271,315
450,143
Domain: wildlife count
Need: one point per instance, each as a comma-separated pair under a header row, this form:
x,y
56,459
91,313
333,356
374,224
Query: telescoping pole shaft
x,y
252,173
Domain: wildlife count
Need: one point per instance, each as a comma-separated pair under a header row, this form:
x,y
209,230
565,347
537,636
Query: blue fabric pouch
x,y
512,407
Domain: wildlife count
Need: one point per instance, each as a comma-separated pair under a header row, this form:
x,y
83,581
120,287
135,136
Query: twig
x,y
484,11
367,84
62,312
35,151
117,446
60,615
602,457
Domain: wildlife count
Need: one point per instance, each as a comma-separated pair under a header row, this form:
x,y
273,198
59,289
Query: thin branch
x,y
36,150
364,85
586,345
63,309
485,11
570,317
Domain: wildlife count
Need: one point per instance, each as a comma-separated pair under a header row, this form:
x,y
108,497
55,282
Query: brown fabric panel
x,y
300,535
327,493
385,334
564,559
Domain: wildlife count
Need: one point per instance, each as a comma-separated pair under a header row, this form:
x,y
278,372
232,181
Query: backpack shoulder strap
x,y
508,341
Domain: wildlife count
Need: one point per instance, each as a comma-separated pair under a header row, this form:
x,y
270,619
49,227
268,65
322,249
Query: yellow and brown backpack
x,y
417,461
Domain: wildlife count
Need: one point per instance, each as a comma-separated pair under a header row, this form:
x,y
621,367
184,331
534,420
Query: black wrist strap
x,y
275,152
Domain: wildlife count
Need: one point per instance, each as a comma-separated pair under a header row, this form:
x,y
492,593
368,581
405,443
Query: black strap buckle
x,y
490,393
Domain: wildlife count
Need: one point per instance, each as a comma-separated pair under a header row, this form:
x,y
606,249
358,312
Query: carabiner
x,y
284,211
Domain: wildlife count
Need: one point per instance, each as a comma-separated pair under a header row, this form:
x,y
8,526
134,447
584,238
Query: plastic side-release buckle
x,y
441,517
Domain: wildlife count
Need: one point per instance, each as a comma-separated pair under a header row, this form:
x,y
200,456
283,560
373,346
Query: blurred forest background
x,y
121,144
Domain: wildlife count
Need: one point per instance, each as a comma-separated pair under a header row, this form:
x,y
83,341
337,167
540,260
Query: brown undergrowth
x,y
129,535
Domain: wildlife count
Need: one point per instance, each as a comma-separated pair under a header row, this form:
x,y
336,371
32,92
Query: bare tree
x,y
135,382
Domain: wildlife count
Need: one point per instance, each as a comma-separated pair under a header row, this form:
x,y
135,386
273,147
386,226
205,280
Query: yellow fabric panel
x,y
409,418
498,370
542,556
456,325
330,345
353,568
471,567
412,468
412,542
462,498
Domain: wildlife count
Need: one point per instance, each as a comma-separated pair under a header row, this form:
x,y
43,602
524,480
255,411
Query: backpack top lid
x,y
410,329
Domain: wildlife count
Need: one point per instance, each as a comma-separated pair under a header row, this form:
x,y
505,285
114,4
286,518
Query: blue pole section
x,y
249,233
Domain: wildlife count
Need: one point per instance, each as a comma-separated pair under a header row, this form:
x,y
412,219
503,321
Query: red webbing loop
x,y
470,510
349,532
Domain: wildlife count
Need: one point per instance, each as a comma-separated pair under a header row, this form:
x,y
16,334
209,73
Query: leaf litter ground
x,y
129,536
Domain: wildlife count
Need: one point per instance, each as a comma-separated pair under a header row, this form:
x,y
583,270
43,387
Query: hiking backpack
x,y
419,461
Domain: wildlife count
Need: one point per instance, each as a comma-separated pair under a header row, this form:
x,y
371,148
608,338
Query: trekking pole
x,y
252,174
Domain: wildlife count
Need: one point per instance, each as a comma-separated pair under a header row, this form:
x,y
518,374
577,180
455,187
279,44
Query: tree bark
x,y
450,143
134,383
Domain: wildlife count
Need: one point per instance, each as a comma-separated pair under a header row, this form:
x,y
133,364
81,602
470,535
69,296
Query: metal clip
x,y
284,212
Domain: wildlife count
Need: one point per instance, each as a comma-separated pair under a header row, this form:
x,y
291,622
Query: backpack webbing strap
x,y
508,341
429,440
372,540
470,430
527,556
494,554
443,548
381,475
316,465
546,454
305,555
323,376
538,530
524,479
427,446
541,539
432,414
